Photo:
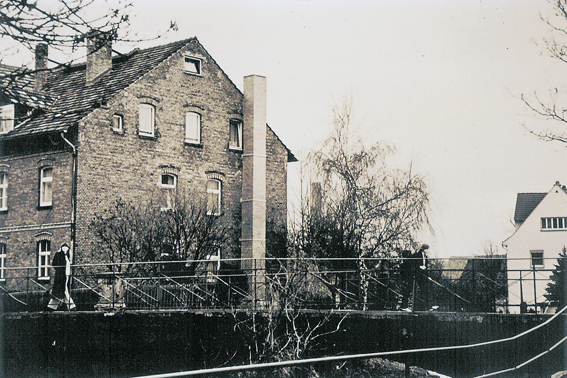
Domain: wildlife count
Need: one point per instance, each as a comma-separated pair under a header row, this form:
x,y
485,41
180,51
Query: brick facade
x,y
123,164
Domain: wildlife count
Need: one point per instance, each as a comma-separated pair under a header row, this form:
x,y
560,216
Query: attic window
x,y
553,223
7,115
192,65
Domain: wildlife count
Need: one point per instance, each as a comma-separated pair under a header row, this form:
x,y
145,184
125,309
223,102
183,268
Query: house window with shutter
x,y
147,120
192,128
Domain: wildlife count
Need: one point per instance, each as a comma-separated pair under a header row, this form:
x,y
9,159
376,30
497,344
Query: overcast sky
x,y
438,79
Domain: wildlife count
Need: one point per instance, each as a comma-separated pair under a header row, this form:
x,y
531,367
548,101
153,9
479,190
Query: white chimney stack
x,y
253,242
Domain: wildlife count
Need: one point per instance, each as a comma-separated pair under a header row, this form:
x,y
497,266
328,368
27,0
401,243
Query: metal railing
x,y
471,285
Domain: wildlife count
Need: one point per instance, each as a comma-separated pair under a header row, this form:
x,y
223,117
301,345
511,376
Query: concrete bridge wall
x,y
95,344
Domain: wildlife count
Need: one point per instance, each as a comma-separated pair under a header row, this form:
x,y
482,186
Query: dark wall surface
x,y
128,344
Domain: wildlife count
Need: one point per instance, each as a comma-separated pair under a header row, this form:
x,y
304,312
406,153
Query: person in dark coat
x,y
60,293
410,275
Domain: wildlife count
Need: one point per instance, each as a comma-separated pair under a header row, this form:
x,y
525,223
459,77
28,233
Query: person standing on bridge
x,y
60,292
411,276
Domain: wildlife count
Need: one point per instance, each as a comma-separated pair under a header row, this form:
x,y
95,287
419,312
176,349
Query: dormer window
x,y
192,65
7,115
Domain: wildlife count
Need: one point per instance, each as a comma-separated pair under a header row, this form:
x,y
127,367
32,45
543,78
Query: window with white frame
x,y
2,261
3,191
212,267
192,128
192,65
553,223
537,259
169,183
117,123
147,119
214,197
235,138
46,186
43,254
7,115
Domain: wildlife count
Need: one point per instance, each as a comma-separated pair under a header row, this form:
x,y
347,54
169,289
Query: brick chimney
x,y
99,55
253,242
41,54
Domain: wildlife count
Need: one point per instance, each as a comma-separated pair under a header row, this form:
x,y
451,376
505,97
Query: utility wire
x,y
525,362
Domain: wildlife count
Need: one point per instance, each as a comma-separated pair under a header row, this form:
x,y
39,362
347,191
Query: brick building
x,y
75,139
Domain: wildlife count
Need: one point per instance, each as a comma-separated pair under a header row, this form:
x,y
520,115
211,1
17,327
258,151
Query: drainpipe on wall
x,y
73,196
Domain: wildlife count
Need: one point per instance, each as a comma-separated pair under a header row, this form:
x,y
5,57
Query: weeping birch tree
x,y
367,207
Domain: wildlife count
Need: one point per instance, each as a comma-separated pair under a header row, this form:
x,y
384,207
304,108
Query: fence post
x,y
535,290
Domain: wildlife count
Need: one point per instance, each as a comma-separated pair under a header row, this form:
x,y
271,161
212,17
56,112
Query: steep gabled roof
x,y
525,204
67,98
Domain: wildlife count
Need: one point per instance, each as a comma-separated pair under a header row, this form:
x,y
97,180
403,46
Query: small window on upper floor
x,y
3,191
117,123
235,138
7,115
192,128
147,120
192,65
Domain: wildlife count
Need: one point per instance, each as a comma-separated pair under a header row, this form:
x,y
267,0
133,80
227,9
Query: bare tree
x,y
284,331
553,106
126,234
61,25
365,208
185,230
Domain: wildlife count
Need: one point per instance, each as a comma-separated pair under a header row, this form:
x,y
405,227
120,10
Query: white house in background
x,y
540,235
